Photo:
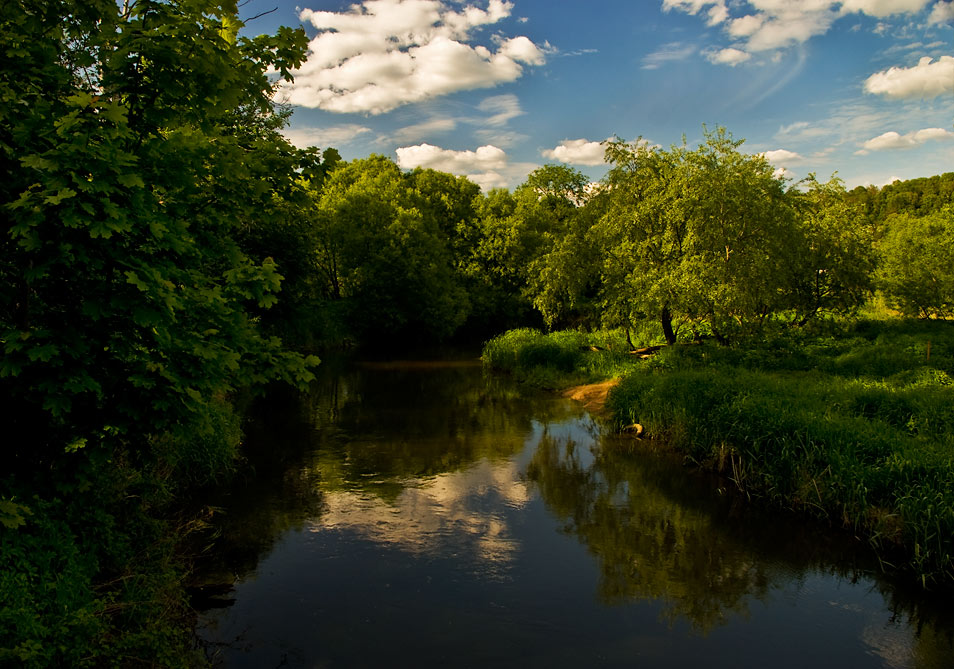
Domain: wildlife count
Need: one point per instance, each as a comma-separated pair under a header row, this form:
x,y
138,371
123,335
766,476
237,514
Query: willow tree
x,y
692,236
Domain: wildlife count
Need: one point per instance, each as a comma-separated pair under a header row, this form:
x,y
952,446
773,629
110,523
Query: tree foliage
x,y
917,257
135,146
390,264
692,235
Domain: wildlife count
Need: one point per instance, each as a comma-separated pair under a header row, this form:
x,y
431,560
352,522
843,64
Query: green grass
x,y
853,422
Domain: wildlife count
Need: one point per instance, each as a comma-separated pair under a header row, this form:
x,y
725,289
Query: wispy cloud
x,y
337,135
668,53
417,131
769,25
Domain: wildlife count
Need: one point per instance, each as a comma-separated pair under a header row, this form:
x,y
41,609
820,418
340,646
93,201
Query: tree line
x,y
706,241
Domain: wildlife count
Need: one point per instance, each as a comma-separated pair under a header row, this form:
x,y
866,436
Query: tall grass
x,y
558,359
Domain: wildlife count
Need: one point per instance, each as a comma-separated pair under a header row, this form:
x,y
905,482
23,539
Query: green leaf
x,y
12,515
76,445
60,195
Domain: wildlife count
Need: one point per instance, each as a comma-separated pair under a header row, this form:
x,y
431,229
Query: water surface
x,y
428,515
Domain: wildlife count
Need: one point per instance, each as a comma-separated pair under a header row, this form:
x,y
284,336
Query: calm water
x,y
425,515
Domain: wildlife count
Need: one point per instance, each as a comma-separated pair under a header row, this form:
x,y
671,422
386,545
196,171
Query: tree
x,y
694,235
130,165
830,261
388,263
134,146
917,255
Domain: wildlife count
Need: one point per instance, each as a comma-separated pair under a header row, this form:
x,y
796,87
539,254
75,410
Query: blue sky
x,y
493,89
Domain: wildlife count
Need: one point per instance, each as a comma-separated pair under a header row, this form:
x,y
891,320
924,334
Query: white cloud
x,y
502,108
893,140
943,12
382,54
674,51
728,56
746,26
488,166
577,152
426,155
780,157
883,8
768,25
927,79
783,173
334,136
715,14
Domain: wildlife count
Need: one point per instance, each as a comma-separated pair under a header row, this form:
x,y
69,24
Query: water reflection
x,y
661,533
432,515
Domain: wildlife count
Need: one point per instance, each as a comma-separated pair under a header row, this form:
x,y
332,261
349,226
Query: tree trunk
x,y
666,318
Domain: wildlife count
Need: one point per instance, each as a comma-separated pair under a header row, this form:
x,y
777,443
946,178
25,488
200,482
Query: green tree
x,y
694,235
134,146
917,257
830,262
388,264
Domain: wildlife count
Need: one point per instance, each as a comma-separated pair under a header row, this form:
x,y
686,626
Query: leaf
x,y
12,515
131,180
75,445
38,163
60,195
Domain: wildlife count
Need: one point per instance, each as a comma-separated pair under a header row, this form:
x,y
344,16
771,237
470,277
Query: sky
x,y
493,89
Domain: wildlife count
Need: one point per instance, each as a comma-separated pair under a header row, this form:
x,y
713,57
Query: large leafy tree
x,y
828,266
133,148
692,235
385,257
137,140
917,254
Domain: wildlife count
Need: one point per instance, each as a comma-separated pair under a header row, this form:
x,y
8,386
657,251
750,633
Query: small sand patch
x,y
592,395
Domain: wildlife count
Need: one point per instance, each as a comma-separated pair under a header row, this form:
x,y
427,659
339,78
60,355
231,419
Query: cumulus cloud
x,y
381,54
780,157
927,79
894,140
488,166
577,152
767,25
728,56
324,137
883,8
943,12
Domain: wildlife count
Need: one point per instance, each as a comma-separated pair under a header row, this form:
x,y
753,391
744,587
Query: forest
x,y
166,252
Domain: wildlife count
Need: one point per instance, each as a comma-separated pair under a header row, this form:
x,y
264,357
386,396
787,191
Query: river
x,y
426,514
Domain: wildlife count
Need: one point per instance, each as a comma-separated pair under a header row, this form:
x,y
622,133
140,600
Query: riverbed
x,y
428,514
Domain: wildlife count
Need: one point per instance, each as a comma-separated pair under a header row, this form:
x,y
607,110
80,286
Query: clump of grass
x,y
558,359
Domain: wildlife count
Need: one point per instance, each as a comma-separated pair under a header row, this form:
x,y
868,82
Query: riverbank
x,y
855,425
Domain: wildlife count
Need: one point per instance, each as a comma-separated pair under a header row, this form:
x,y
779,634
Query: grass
x,y
854,423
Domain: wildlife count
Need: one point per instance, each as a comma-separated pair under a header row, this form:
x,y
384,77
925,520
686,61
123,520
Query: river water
x,y
429,515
